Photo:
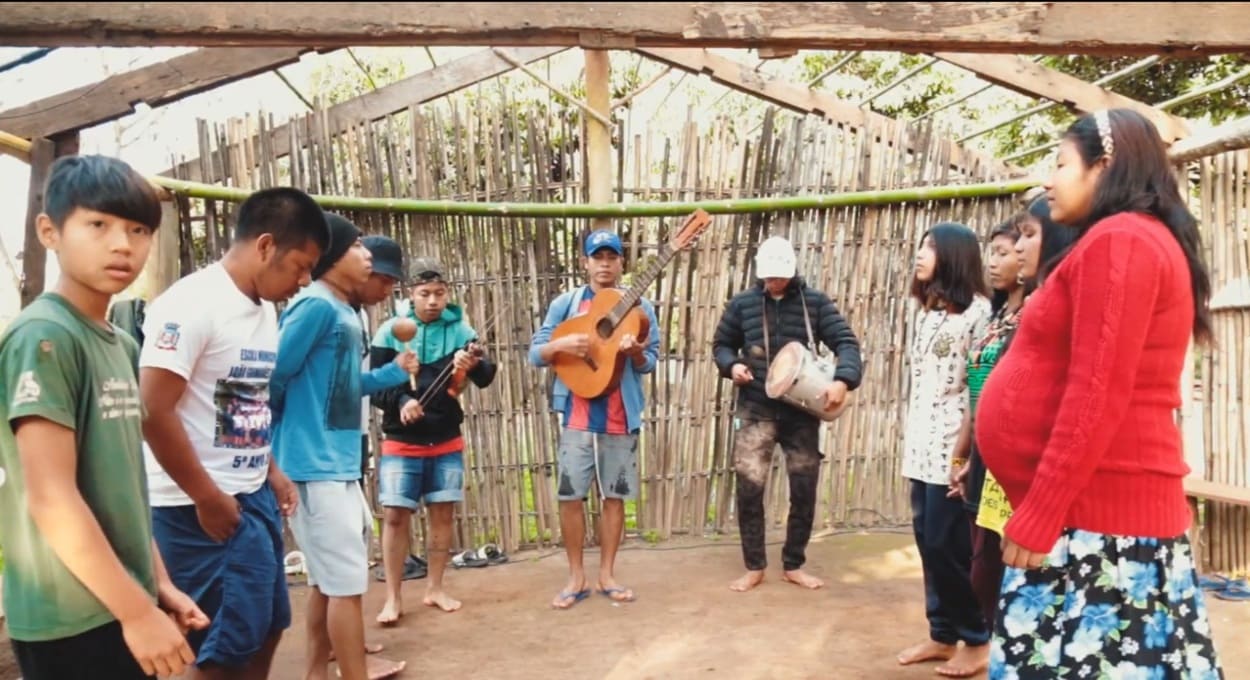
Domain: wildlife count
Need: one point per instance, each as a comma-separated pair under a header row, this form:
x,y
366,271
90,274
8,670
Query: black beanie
x,y
342,235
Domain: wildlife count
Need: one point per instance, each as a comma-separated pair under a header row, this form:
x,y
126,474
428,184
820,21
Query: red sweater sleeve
x,y
1112,286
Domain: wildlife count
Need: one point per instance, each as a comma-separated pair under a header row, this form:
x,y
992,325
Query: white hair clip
x,y
1103,120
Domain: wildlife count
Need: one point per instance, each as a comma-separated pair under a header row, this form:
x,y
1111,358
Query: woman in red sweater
x,y
1040,239
1076,423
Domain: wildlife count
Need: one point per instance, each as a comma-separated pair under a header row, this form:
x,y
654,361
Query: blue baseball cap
x,y
388,257
603,238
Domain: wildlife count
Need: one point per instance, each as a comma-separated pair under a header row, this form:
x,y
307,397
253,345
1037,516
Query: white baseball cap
x,y
775,259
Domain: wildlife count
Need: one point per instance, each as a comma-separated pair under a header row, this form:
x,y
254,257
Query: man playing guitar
x,y
599,437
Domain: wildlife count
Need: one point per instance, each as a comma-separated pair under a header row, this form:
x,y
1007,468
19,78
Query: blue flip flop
x,y
1212,582
577,597
609,592
1235,591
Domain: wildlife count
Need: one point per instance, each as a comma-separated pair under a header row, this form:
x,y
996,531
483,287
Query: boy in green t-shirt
x,y
85,591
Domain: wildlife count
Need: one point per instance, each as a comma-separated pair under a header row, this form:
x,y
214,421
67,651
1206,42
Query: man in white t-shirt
x,y
210,344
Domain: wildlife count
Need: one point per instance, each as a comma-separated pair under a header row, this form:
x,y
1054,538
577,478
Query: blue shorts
x,y
404,481
239,584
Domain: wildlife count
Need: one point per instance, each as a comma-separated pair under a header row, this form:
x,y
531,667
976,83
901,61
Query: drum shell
x,y
805,388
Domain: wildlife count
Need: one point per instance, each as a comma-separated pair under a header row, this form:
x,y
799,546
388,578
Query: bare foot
x,y
747,581
967,662
391,611
798,578
926,651
369,649
377,668
615,591
443,601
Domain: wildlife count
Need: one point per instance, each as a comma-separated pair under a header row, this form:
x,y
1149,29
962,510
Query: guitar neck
x,y
641,282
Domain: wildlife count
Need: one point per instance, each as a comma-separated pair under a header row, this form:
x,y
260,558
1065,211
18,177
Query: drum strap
x,y
807,321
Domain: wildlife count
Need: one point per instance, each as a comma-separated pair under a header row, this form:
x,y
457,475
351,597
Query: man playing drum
x,y
756,324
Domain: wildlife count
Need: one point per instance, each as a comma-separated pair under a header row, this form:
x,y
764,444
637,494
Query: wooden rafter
x,y
1050,104
1034,80
417,89
155,85
1037,27
745,78
585,107
1227,137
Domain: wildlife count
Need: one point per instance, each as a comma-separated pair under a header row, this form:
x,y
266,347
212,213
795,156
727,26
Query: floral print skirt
x,y
1105,607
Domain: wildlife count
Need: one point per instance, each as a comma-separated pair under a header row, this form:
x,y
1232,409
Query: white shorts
x,y
332,525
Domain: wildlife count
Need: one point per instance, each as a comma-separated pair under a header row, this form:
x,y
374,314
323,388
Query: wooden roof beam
x,y
156,85
1230,136
1035,80
745,78
1028,27
1050,104
416,89
961,98
899,81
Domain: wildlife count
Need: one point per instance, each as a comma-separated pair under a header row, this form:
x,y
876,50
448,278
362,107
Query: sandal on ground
x,y
1235,591
414,568
493,554
575,596
619,590
469,558
1213,582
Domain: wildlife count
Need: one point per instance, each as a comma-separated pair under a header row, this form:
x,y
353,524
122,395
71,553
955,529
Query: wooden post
x,y
163,267
598,181
34,255
43,153
598,135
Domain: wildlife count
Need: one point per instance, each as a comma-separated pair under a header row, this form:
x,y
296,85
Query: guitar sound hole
x,y
604,328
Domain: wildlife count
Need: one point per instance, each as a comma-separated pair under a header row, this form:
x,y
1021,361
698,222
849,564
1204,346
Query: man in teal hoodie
x,y
423,450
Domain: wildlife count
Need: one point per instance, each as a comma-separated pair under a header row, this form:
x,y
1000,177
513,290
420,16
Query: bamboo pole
x,y
18,147
592,210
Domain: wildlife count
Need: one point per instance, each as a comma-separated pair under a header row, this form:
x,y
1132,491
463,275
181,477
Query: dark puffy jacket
x,y
740,339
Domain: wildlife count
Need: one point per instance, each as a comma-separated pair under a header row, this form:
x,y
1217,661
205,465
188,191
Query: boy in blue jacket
x,y
315,393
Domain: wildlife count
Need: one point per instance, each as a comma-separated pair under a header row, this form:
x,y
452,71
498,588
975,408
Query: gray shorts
x,y
332,525
611,459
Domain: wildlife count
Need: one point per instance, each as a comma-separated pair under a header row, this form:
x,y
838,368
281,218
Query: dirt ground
x,y
686,622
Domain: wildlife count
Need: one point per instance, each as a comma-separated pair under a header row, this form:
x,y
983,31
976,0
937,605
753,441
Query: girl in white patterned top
x,y
949,286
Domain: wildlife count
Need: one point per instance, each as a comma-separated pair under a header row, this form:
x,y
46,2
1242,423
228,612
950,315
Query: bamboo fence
x,y
1222,205
475,147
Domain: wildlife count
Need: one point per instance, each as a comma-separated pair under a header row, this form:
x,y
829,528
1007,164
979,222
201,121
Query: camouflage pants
x,y
754,443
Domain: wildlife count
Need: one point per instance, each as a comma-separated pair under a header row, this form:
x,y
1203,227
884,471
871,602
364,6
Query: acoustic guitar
x,y
613,314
